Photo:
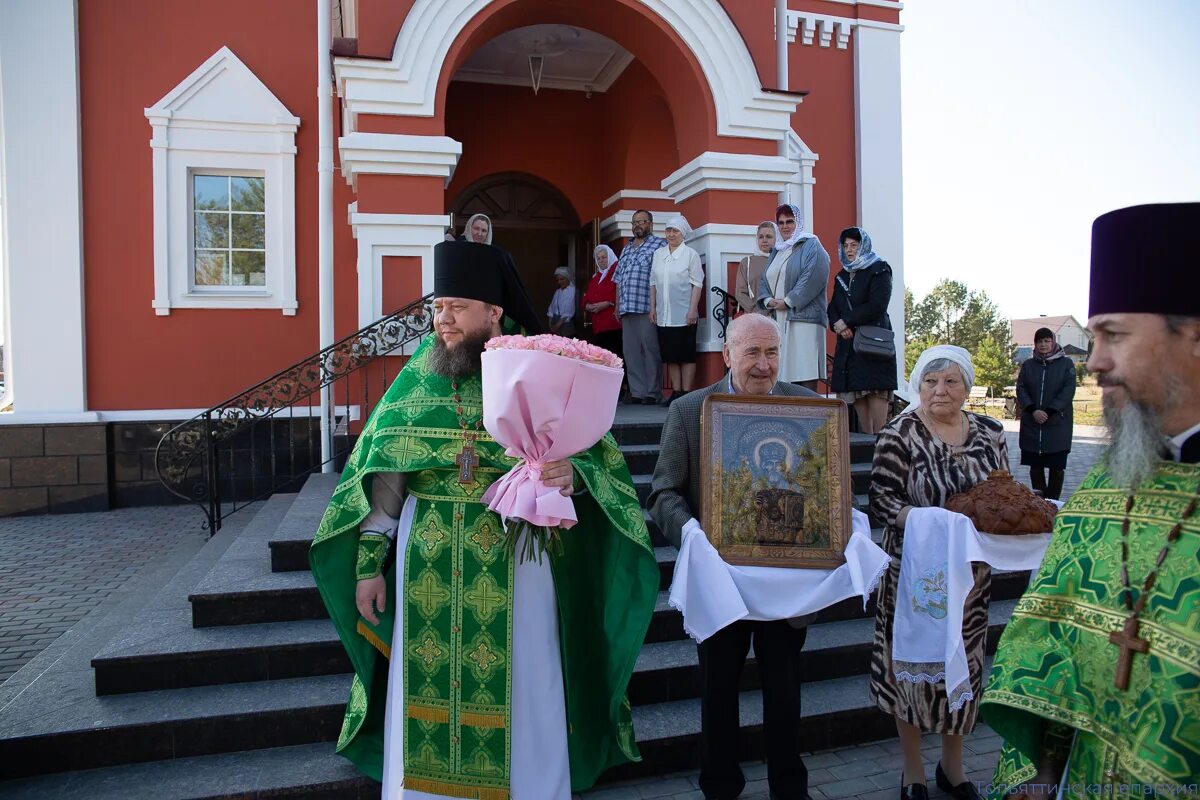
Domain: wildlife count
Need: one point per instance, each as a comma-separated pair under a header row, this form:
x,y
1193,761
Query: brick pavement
x,y
865,772
55,569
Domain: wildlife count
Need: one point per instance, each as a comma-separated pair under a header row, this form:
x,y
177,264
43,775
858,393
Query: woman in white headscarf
x,y
600,300
750,271
862,291
478,229
923,457
793,289
562,305
676,283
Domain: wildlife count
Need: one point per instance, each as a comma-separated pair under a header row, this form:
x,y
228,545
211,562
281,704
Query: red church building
x,y
196,195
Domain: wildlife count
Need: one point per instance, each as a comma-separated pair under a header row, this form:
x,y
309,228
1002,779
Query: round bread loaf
x,y
1001,505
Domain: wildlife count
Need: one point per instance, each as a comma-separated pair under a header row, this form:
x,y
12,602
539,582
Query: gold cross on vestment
x,y
1127,639
467,462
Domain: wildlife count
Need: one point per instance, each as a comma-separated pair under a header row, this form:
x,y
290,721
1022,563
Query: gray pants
x,y
643,365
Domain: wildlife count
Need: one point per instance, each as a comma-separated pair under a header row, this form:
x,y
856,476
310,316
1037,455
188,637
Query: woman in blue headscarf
x,y
861,294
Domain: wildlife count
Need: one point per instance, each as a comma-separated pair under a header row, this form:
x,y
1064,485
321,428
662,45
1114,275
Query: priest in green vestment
x,y
1096,682
477,674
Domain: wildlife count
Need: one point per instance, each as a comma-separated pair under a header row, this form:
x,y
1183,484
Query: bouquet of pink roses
x,y
544,398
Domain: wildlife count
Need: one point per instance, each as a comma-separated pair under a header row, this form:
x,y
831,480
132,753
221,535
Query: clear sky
x,y
1026,119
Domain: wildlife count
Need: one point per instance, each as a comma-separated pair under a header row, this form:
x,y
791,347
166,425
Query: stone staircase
x,y
231,682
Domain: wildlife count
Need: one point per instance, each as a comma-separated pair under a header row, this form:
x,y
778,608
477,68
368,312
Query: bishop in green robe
x,y
1096,682
483,677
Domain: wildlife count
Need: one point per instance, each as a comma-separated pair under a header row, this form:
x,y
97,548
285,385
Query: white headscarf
x,y
564,272
612,259
797,235
467,230
956,355
679,222
775,228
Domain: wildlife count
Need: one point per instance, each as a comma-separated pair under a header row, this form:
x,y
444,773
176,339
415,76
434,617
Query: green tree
x,y
994,365
954,314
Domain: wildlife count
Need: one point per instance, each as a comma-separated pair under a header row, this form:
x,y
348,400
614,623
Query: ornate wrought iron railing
x,y
268,438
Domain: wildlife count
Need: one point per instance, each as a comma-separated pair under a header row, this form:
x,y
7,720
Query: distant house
x,y
1068,332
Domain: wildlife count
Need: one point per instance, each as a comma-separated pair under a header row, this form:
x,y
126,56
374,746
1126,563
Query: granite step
x,y
176,723
289,543
282,773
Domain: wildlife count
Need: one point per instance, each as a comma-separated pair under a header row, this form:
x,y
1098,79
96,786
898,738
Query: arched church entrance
x,y
532,220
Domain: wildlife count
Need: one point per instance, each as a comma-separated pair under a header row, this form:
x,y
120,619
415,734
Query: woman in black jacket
x,y
861,294
1045,391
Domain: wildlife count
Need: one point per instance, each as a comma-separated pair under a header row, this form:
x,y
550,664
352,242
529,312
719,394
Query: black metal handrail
x,y
260,441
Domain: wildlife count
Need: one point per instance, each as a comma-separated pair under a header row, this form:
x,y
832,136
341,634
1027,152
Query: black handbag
x,y
871,341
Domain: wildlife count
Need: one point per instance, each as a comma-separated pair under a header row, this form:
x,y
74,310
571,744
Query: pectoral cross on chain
x,y
1127,639
467,461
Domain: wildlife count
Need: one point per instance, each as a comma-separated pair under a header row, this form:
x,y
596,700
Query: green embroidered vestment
x,y
457,595
1054,668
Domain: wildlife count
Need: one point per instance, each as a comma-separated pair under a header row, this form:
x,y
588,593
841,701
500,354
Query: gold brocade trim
x,y
373,639
447,789
433,433
428,713
1164,643
1147,770
475,720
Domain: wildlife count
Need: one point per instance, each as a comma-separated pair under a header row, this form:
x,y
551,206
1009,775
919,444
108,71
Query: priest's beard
x,y
460,361
1137,437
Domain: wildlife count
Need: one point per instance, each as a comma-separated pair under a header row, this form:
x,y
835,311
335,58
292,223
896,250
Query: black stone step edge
x,y
299,525
309,770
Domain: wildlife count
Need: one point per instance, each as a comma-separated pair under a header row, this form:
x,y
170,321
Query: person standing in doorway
x,y
676,284
639,337
478,229
1045,390
793,289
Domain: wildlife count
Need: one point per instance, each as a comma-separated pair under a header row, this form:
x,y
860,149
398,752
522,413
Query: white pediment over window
x,y
223,89
223,121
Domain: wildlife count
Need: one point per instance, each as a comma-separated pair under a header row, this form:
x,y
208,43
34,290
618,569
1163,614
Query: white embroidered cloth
x,y
712,594
935,578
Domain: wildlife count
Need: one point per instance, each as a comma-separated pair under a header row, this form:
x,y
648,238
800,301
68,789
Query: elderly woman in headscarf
x,y
562,304
793,289
478,229
600,300
676,283
862,291
923,457
751,269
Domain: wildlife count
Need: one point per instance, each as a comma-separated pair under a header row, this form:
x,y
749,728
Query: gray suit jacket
x,y
675,490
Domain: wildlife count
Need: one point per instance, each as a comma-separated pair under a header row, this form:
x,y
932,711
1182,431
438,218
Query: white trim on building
x,y
718,244
382,235
407,84
42,211
398,154
879,159
222,119
730,171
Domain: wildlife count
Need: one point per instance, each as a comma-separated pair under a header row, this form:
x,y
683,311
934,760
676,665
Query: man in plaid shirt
x,y
639,337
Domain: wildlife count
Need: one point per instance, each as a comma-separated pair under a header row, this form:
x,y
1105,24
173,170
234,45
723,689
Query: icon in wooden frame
x,y
775,480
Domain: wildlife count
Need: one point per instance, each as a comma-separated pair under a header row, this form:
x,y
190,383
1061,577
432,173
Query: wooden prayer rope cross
x,y
1127,639
467,462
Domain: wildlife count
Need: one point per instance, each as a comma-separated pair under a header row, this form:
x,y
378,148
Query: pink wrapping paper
x,y
542,408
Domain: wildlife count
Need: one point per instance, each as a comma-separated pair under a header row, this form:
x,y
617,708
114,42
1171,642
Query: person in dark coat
x,y
1045,391
861,294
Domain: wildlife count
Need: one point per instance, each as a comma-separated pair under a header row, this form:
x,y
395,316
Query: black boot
x,y
1054,490
913,791
1037,480
963,791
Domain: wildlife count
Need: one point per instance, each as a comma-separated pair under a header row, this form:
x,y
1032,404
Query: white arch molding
x,y
407,84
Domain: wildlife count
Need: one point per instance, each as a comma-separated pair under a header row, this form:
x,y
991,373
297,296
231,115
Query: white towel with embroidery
x,y
712,594
935,578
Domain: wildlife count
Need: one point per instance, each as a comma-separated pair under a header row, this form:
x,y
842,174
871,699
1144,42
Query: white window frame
x,y
222,120
193,289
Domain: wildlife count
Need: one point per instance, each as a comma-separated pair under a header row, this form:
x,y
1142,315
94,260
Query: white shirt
x,y
673,275
562,305
1175,443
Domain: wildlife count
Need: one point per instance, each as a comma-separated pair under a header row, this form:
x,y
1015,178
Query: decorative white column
x,y
880,176
382,235
42,210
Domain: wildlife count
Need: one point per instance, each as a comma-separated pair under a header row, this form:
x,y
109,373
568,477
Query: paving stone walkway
x,y
55,569
866,772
